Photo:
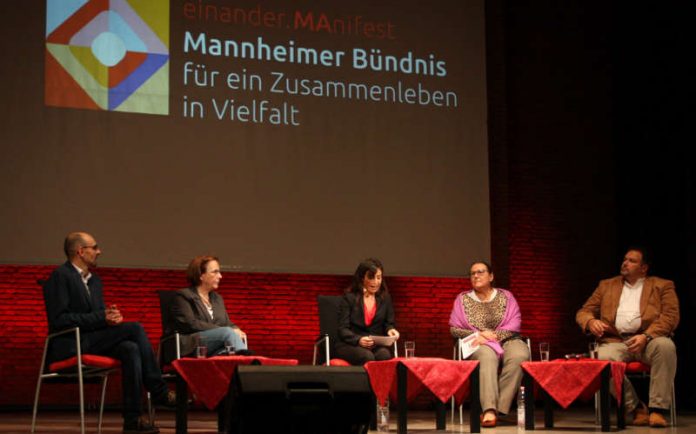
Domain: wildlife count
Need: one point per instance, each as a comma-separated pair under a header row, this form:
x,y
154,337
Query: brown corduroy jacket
x,y
659,307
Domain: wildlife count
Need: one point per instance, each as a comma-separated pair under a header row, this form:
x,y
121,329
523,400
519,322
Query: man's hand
x,y
366,342
394,333
636,344
113,315
597,327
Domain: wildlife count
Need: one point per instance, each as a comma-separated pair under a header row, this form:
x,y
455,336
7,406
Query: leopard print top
x,y
484,316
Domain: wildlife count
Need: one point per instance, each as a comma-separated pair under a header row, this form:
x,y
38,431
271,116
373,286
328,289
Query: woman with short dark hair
x,y
199,311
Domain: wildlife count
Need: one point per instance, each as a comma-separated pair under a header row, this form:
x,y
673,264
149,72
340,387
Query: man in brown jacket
x,y
633,317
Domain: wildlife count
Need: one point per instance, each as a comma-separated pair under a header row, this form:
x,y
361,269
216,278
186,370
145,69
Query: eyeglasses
x,y
479,272
95,247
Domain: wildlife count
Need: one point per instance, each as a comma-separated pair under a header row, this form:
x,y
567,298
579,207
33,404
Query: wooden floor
x,y
202,422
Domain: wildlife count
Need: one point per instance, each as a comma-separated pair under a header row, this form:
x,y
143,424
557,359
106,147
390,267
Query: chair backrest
x,y
169,341
166,300
328,306
42,283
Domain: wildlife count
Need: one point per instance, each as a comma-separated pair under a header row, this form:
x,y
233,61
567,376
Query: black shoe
x,y
140,427
507,419
167,400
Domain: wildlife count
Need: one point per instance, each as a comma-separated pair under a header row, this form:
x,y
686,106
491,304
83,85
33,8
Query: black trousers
x,y
128,343
357,355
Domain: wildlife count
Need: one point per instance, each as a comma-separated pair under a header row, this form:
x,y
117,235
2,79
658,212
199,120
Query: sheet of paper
x,y
469,345
385,341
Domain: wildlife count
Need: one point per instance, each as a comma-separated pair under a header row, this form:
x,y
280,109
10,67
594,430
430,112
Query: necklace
x,y
205,298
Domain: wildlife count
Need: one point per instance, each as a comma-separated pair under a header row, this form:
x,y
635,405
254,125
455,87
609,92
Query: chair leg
x,y
596,408
82,398
36,404
150,409
101,405
673,408
327,351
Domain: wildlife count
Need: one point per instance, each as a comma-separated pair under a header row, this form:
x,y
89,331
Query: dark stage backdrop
x,y
281,136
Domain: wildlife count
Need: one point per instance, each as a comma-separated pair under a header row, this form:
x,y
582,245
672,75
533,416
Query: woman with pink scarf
x,y
495,315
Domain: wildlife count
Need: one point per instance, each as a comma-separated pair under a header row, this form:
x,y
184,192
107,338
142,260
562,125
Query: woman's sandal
x,y
489,421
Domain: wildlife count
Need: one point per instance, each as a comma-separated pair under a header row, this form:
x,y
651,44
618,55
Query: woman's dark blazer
x,y
351,318
189,316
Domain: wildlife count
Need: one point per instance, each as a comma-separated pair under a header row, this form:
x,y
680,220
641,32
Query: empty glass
x,y
594,354
201,348
201,351
544,351
410,348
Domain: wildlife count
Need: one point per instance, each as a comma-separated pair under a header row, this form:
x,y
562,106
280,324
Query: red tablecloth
x,y
567,380
209,379
445,378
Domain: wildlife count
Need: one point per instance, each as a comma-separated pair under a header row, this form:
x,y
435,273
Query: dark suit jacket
x,y
68,304
190,316
351,318
659,307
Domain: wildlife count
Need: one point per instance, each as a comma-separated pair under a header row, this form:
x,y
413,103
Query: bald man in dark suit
x,y
73,296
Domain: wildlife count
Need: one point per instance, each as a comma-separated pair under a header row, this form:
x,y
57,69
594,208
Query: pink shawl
x,y
512,319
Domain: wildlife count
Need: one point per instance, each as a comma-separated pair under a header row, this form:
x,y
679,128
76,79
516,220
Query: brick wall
x,y
278,311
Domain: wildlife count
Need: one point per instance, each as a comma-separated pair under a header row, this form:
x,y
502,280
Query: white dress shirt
x,y
628,312
85,276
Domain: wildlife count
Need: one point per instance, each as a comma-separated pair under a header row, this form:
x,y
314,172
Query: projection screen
x,y
282,136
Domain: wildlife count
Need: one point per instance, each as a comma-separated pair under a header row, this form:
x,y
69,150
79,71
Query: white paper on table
x,y
385,341
469,345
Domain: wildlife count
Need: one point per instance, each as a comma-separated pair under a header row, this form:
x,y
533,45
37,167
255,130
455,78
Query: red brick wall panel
x,y
278,311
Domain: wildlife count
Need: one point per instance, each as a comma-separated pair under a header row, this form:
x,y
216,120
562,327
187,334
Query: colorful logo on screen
x,y
108,55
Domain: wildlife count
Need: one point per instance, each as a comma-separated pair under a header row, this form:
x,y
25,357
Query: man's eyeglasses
x,y
479,272
95,247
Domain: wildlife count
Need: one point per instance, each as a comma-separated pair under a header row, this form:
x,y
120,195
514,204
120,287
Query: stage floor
x,y
202,422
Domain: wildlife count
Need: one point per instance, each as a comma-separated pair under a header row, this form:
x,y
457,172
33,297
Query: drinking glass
x,y
594,354
410,348
201,351
383,417
544,351
201,348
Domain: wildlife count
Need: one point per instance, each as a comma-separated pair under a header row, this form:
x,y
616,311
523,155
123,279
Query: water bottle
x,y
520,409
383,416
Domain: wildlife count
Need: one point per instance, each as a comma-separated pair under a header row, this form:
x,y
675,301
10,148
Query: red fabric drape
x,y
568,380
445,378
209,379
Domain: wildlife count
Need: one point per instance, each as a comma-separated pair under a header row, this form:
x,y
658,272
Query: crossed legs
x,y
216,339
128,343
